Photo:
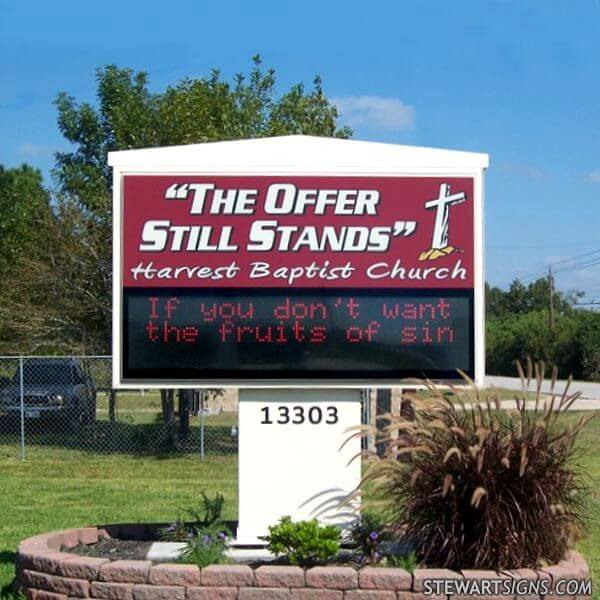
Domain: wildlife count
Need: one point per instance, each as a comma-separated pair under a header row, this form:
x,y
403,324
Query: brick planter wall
x,y
47,571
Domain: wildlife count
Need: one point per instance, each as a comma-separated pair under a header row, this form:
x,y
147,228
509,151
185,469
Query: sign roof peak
x,y
296,153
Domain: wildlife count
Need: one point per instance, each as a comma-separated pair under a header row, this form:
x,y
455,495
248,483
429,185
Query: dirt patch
x,y
114,549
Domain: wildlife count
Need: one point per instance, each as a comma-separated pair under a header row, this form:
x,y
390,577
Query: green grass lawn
x,y
58,487
590,463
50,491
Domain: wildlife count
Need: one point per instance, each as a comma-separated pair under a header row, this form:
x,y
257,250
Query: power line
x,y
579,266
558,262
538,273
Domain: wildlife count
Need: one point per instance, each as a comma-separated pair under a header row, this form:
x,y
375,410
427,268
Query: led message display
x,y
323,334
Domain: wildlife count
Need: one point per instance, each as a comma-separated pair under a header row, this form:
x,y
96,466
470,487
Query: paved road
x,y
590,399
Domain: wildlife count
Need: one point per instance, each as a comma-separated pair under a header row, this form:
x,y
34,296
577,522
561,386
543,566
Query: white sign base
x,y
290,462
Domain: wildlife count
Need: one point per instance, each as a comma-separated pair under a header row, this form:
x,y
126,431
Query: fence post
x,y
201,415
112,406
22,402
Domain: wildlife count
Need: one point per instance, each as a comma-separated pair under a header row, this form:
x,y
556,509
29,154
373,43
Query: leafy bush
x,y
367,533
211,510
522,335
574,344
472,486
207,547
178,531
205,535
200,521
588,339
408,562
303,543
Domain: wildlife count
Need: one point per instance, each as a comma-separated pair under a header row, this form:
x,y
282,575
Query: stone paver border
x,y
47,571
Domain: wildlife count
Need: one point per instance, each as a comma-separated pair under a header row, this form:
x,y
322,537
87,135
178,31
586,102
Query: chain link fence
x,y
67,404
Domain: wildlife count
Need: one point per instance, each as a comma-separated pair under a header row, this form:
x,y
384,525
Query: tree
x,y
128,115
64,294
60,296
207,109
24,210
55,297
24,203
520,299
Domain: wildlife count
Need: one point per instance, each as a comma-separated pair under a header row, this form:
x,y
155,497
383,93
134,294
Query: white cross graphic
x,y
442,205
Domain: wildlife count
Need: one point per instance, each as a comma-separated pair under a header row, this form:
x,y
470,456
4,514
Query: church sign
x,y
269,277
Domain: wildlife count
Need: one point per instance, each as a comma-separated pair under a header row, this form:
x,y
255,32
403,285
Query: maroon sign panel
x,y
325,232
296,278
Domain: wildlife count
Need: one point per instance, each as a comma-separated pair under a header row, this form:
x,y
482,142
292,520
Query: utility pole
x,y
551,288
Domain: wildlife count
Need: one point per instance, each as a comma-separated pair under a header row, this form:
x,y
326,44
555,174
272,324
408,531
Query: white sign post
x,y
290,462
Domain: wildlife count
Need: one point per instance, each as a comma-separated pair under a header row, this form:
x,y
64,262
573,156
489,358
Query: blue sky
x,y
519,79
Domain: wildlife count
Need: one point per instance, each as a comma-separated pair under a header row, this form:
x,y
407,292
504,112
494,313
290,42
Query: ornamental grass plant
x,y
472,485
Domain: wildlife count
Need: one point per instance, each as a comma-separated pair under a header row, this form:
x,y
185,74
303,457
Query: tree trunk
x,y
184,413
168,411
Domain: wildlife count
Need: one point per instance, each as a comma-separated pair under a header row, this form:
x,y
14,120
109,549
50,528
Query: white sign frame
x,y
296,156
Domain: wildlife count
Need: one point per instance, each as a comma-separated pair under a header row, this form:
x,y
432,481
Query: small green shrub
x,y
211,511
178,531
207,547
205,535
303,543
408,562
367,533
200,521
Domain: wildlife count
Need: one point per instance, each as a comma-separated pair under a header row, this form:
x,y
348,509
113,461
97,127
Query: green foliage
x,y
408,562
518,326
58,300
587,342
206,520
303,543
206,547
212,509
8,594
520,299
127,115
117,488
471,486
574,343
24,205
177,531
206,536
367,533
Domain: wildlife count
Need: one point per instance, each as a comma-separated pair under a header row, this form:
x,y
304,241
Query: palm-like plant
x,y
474,486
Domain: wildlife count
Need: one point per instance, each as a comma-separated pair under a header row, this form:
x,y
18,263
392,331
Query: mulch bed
x,y
114,549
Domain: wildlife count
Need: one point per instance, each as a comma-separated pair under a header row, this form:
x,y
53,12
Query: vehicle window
x,y
45,373
79,377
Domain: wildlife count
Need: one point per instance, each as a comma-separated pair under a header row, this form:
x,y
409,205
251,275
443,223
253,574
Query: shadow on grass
x,y
7,592
7,557
105,437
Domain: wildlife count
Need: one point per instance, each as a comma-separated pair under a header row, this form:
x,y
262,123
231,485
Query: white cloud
x,y
390,114
523,170
593,176
33,149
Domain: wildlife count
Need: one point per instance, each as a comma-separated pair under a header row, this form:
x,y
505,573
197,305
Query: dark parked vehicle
x,y
60,388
